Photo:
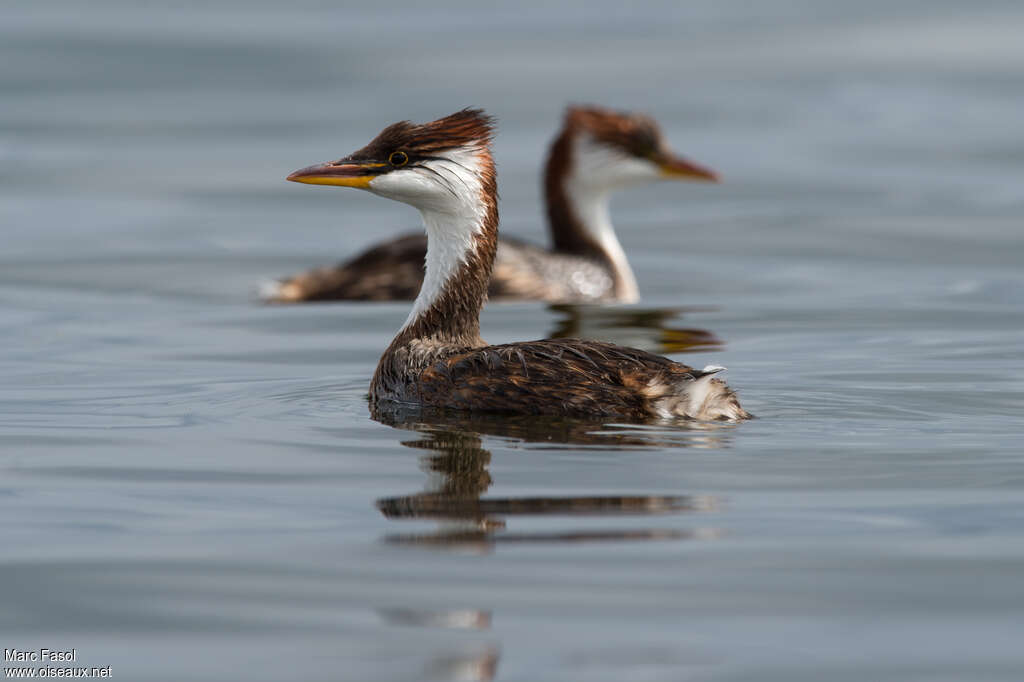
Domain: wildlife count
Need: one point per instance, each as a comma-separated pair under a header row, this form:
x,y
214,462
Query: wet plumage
x,y
570,377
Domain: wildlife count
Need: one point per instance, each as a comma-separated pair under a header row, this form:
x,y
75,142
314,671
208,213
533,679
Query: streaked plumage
x,y
571,377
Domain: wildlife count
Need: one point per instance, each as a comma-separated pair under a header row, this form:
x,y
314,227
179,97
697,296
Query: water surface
x,y
193,487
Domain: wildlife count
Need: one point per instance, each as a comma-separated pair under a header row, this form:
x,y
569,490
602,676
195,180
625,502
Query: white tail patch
x,y
699,392
273,291
713,369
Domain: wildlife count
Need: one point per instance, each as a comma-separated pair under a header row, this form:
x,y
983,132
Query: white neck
x,y
598,170
453,221
590,204
450,239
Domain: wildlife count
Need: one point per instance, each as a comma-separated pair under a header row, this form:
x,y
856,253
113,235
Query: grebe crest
x,y
444,168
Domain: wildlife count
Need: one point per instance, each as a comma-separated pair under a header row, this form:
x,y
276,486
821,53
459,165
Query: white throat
x,y
592,210
450,239
450,198
588,188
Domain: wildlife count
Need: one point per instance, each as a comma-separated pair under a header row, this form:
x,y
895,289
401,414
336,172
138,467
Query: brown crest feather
x,y
467,127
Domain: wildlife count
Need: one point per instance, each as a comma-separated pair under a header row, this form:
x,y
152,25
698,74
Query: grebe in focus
x,y
438,360
596,152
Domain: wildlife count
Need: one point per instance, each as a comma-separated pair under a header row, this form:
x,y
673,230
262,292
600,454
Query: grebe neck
x,y
580,220
462,240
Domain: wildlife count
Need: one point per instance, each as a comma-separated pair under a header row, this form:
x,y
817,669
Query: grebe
x,y
438,360
596,152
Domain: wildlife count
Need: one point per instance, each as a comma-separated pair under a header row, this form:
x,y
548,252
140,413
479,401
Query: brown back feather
x,y
571,377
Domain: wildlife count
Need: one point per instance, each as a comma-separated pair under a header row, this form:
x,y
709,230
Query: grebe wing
x,y
560,376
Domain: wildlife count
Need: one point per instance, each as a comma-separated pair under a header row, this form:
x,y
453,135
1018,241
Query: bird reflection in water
x,y
458,468
478,663
457,465
644,328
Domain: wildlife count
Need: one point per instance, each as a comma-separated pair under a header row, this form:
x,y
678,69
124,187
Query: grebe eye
x,y
398,159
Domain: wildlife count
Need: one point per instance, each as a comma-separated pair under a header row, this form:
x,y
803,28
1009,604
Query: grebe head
x,y
597,152
612,150
441,166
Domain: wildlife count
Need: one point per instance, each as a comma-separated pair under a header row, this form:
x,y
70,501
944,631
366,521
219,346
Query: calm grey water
x,y
193,488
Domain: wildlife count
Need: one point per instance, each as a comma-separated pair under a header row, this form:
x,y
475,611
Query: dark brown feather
x,y
633,133
387,272
424,140
569,377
